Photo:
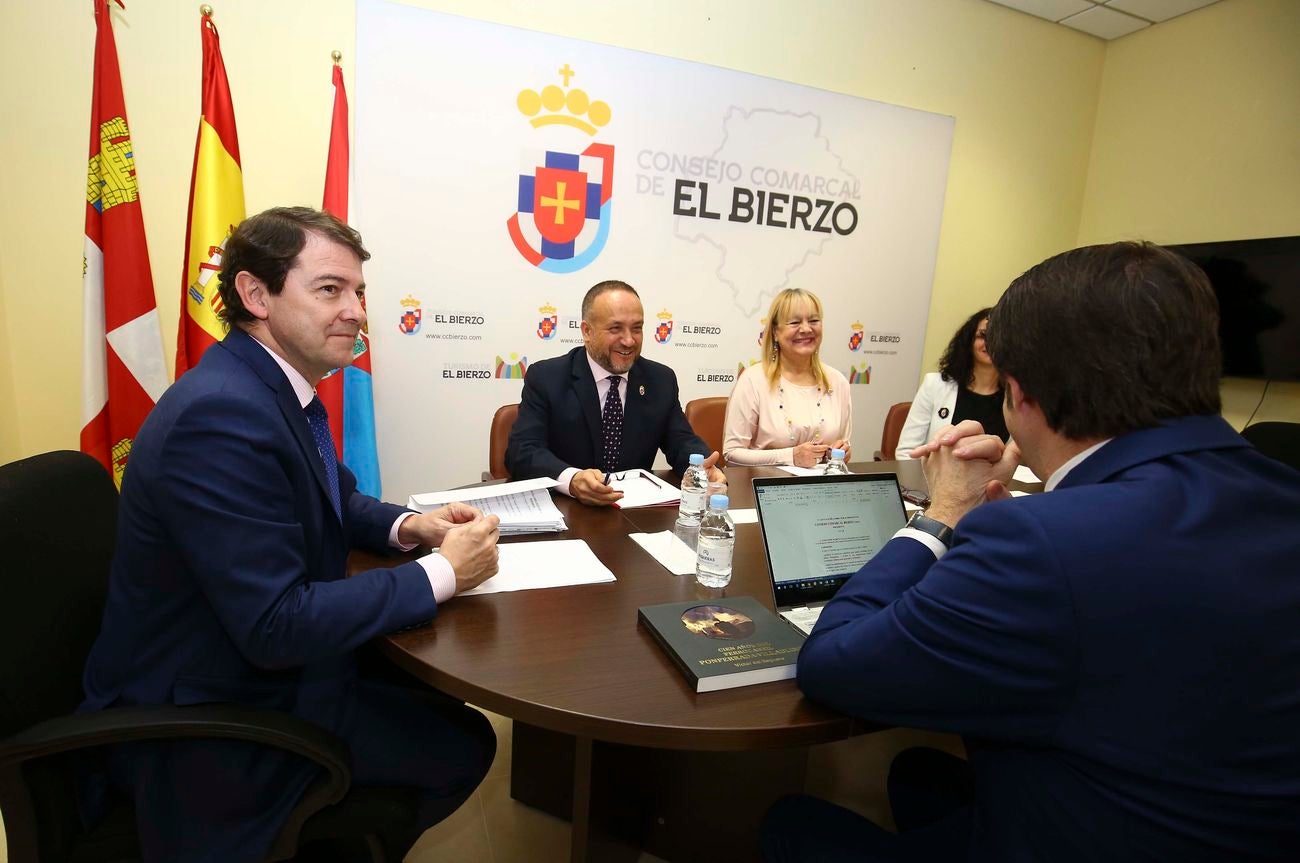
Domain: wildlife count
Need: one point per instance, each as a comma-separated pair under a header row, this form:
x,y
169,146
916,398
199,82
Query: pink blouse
x,y
761,421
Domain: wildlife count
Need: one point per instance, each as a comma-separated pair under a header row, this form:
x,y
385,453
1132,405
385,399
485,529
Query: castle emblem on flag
x,y
664,329
409,323
120,454
548,326
110,174
561,222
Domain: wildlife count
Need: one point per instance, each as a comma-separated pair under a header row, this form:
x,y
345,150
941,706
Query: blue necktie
x,y
611,420
319,421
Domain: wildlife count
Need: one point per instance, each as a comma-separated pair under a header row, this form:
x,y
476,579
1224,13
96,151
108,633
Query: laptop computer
x,y
818,531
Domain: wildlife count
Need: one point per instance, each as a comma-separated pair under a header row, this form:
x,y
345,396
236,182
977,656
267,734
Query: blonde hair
x,y
782,306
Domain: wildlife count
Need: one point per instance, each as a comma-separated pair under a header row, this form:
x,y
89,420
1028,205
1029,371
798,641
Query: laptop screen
x,y
818,531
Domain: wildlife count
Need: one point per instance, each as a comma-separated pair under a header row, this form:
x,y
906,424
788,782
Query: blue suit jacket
x,y
228,585
559,419
1123,654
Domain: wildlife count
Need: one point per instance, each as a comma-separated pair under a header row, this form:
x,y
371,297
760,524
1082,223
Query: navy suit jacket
x,y
559,419
1122,653
228,585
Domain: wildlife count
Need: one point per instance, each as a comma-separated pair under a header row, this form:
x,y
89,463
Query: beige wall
x,y
1183,132
1023,91
1198,139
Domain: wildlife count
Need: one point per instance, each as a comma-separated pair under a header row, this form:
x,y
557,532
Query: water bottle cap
x,y
719,501
697,459
837,453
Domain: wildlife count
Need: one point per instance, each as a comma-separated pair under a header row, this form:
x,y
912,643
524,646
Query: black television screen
x,y
1258,286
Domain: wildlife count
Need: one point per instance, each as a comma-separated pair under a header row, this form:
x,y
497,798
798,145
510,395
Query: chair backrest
x,y
1276,440
499,435
894,422
707,417
58,521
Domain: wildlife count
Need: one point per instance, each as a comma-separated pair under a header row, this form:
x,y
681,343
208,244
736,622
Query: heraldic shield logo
x,y
561,223
549,325
664,329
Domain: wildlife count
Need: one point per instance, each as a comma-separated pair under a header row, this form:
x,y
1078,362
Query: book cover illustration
x,y
726,643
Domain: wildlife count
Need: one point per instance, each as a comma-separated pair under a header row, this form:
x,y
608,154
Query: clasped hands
x,y
589,486
964,468
465,537
809,453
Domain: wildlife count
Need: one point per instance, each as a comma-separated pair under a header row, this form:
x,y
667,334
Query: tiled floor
x,y
492,828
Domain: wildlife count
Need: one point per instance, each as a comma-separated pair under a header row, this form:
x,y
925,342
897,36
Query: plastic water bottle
x,y
695,491
836,465
716,542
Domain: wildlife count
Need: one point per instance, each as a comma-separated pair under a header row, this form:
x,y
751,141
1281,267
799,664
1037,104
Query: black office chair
x,y
58,515
1279,441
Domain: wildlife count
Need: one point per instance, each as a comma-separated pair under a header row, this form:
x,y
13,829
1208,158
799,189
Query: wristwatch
x,y
937,529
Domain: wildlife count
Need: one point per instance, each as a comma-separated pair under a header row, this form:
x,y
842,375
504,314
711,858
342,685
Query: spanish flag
x,y
123,372
348,394
216,207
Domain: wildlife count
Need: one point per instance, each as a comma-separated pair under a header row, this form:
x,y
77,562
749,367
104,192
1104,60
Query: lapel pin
x,y
641,390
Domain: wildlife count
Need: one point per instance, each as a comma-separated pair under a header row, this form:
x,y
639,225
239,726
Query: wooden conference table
x,y
607,730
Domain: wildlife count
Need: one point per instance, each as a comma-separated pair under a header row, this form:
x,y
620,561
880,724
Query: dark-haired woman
x,y
966,387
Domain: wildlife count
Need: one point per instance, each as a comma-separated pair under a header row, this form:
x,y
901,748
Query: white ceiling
x,y
1107,19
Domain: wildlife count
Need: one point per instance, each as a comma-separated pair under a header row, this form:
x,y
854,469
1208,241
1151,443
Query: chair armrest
x,y
170,722
199,721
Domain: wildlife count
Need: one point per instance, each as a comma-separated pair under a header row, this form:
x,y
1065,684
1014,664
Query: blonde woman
x,y
794,409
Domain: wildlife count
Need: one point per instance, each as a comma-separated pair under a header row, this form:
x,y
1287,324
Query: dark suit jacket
x,y
559,419
228,585
1123,654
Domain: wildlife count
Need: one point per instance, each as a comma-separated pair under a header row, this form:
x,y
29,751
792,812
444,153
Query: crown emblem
x,y
582,112
665,315
410,302
856,325
547,309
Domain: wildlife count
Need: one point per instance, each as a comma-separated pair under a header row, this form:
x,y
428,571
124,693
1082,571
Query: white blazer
x,y
931,408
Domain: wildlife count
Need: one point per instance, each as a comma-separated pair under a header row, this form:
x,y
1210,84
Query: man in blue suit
x,y
228,582
601,408
1121,652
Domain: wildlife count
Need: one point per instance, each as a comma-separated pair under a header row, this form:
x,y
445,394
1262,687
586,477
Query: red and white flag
x,y
348,393
123,374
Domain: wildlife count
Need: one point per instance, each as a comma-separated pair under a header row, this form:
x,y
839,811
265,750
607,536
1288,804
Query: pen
x,y
606,480
649,480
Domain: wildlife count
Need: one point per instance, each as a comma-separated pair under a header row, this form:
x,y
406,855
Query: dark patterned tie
x,y
611,420
319,421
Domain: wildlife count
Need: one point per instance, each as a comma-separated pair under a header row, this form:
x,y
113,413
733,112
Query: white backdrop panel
x,y
726,188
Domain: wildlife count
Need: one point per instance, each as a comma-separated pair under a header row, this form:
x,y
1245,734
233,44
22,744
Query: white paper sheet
x,y
555,563
815,470
744,516
1024,474
669,550
642,488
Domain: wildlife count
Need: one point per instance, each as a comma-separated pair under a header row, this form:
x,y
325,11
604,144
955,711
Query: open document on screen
x,y
824,530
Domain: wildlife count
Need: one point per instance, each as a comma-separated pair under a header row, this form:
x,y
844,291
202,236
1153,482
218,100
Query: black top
x,y
987,410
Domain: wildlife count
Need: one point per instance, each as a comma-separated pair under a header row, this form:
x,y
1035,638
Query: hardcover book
x,y
724,643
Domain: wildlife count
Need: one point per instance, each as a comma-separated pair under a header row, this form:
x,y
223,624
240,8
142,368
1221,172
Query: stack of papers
x,y
523,507
642,488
